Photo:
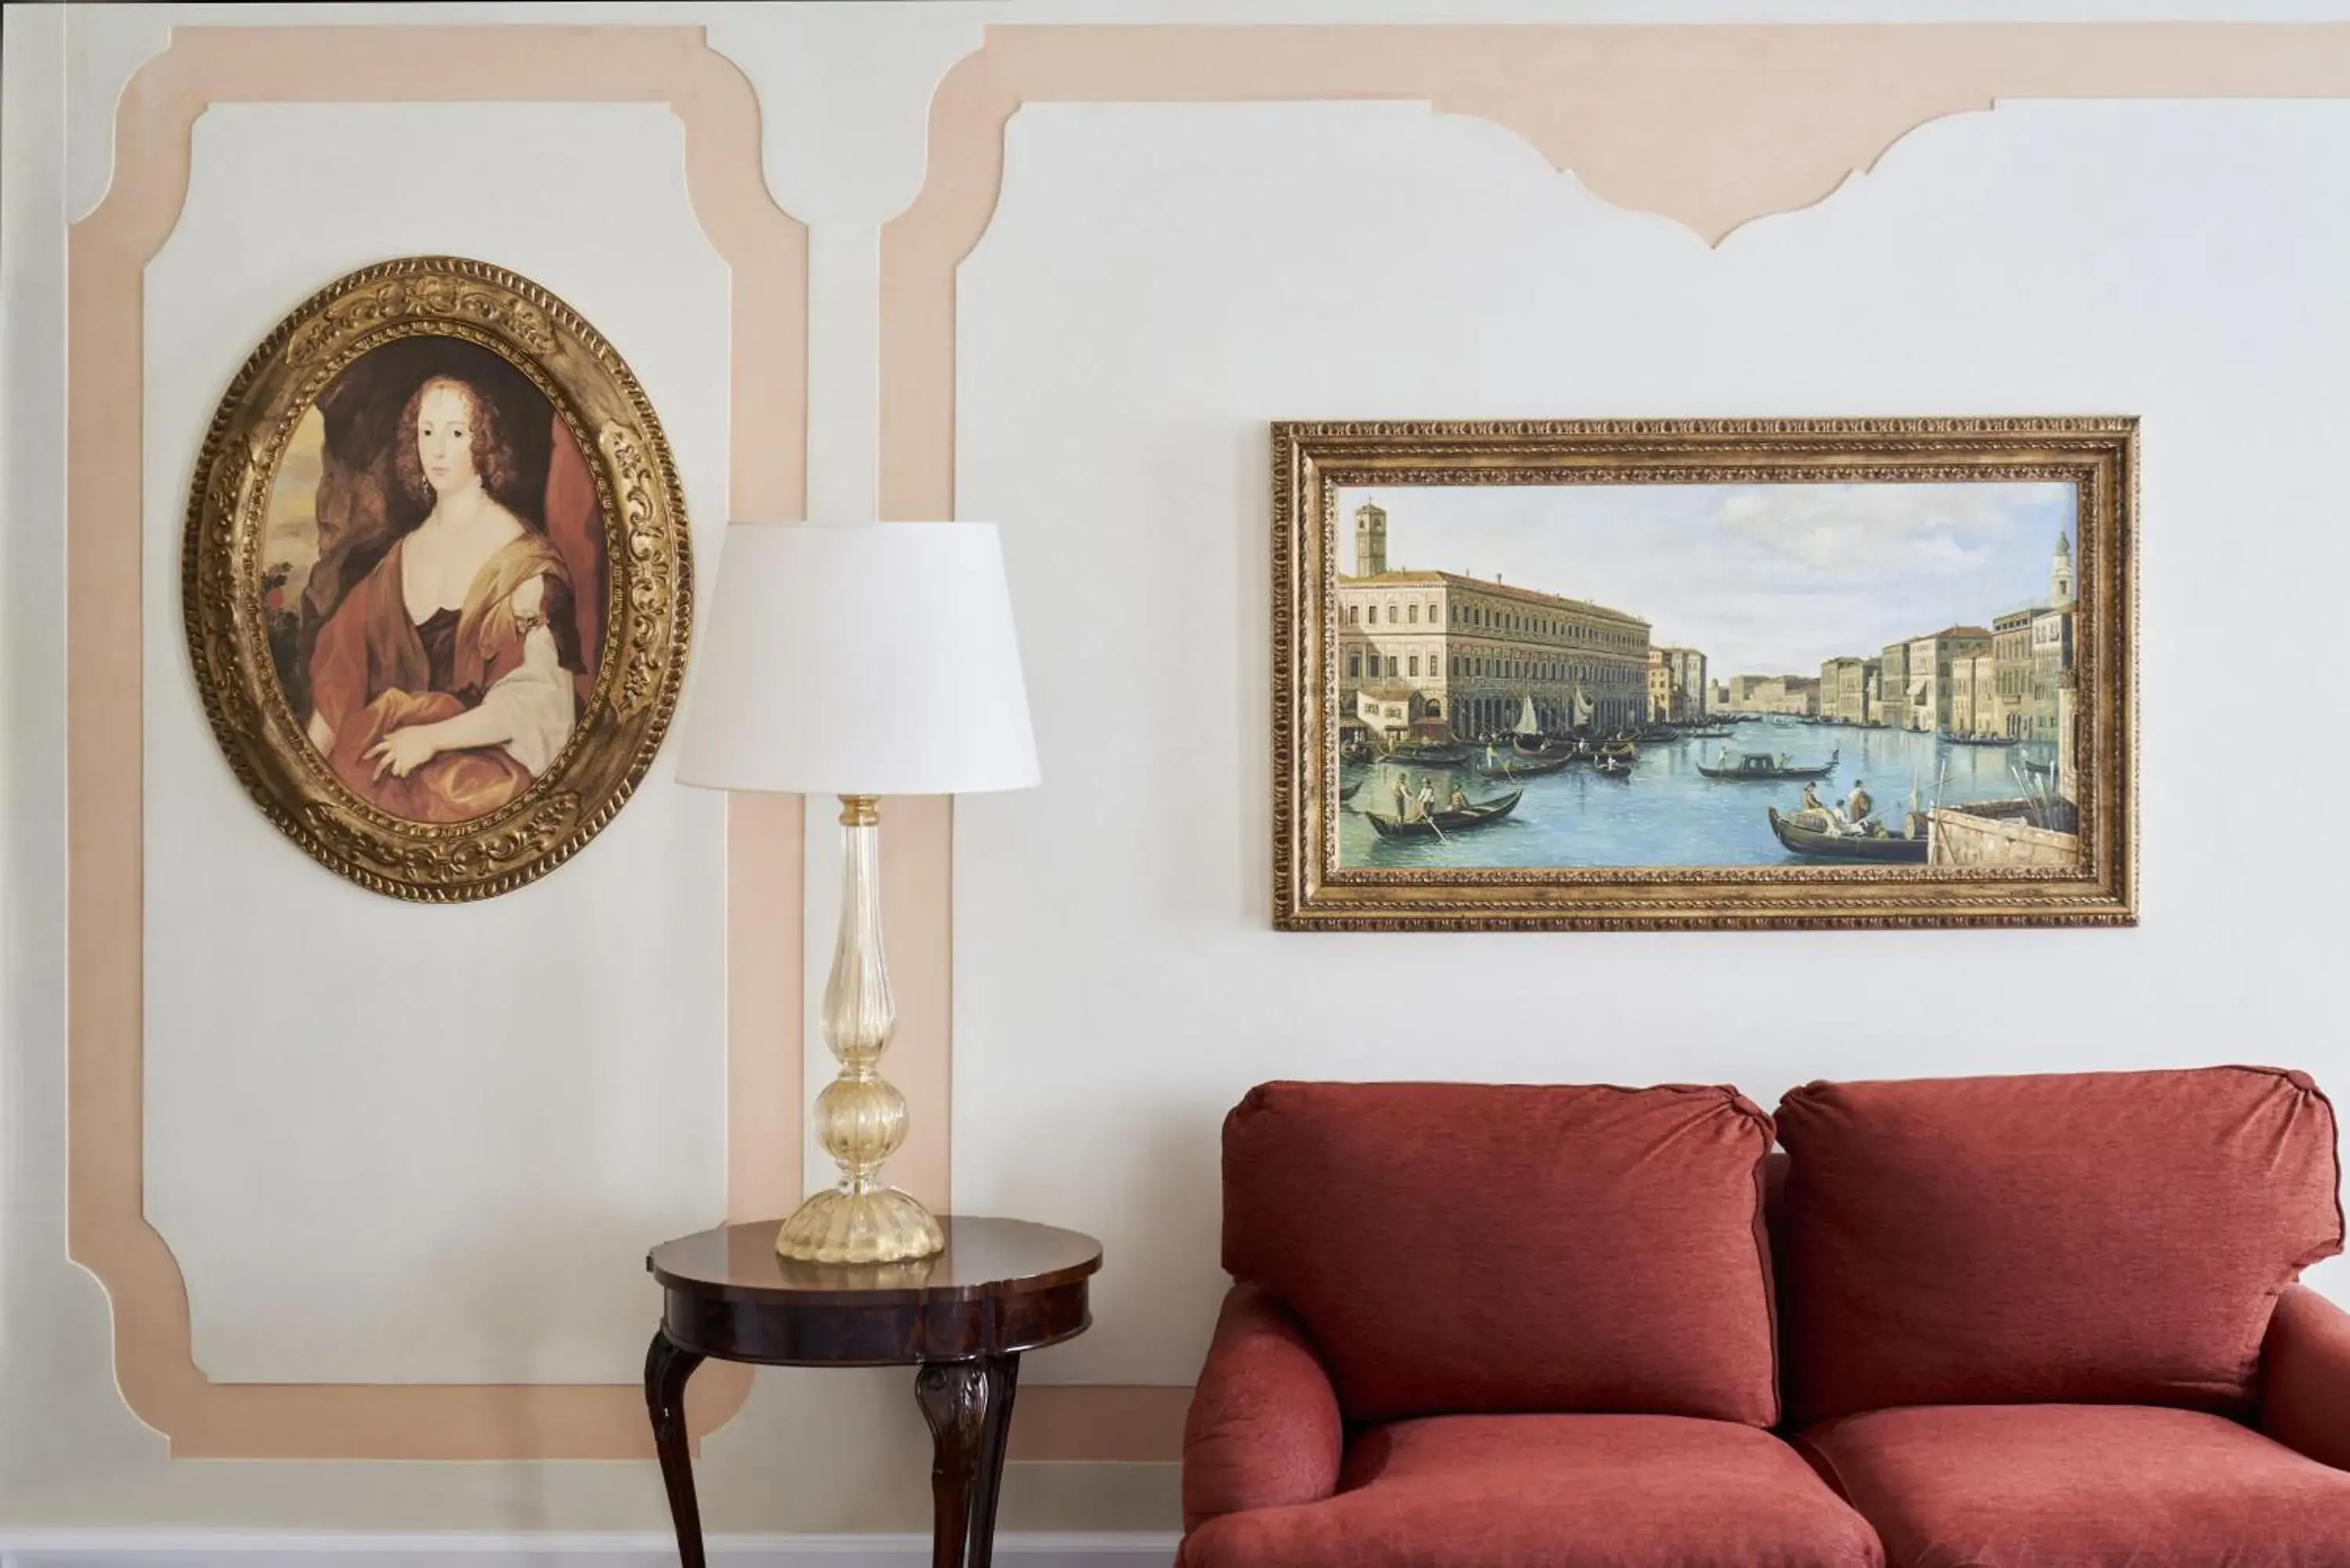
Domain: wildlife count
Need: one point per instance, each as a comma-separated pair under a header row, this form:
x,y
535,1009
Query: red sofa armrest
x,y
1263,1431
2305,1376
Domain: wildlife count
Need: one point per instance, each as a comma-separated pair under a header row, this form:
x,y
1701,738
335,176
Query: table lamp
x,y
859,661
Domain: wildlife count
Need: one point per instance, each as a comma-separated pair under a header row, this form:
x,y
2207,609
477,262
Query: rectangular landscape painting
x,y
1704,674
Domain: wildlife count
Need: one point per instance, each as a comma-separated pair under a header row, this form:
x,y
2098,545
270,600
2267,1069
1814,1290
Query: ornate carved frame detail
x,y
1312,891
649,616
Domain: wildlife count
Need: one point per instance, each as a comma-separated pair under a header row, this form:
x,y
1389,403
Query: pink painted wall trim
x,y
1710,126
108,253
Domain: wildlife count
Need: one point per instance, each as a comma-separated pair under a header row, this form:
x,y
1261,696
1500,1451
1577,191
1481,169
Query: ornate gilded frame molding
x,y
1311,461
648,552
107,254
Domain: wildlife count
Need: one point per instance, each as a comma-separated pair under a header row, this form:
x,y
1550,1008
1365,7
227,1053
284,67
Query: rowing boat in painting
x,y
1757,766
1829,845
1478,815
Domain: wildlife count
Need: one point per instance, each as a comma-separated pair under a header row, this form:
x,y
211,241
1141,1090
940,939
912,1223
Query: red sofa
x,y
2003,1323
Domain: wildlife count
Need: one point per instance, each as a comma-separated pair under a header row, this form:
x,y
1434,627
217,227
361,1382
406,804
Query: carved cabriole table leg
x,y
667,1367
954,1399
1003,1383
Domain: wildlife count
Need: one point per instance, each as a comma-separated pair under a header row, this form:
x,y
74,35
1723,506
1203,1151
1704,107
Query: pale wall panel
x,y
1159,282
393,1143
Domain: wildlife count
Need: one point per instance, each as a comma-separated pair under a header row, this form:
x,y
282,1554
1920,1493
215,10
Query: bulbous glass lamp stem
x,y
860,1117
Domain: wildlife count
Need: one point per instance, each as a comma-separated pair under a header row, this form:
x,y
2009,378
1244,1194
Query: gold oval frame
x,y
649,605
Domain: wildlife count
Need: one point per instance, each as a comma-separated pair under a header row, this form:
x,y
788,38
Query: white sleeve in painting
x,y
533,702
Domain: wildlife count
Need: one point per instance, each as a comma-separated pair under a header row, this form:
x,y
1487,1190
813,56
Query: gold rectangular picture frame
x,y
1945,607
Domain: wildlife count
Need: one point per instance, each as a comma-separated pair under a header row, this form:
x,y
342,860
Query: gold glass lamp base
x,y
860,1117
884,1226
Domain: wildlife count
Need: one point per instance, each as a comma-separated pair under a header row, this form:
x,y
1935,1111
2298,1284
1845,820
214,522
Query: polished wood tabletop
x,y
962,1318
982,1257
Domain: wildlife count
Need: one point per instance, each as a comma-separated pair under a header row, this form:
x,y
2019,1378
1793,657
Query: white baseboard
x,y
221,1549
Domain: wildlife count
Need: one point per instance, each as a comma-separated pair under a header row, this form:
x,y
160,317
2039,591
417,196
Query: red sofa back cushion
x,y
2084,1238
1460,1248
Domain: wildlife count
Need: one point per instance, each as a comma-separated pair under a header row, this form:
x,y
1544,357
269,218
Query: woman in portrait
x,y
446,681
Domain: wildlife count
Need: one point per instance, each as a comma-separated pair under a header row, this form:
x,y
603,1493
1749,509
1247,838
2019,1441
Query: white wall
x,y
844,98
1151,1062
503,1099
1160,282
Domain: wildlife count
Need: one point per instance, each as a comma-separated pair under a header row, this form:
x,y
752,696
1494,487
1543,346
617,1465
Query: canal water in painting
x,y
1665,812
1915,639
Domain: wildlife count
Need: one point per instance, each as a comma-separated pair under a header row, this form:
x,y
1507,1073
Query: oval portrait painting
x,y
437,579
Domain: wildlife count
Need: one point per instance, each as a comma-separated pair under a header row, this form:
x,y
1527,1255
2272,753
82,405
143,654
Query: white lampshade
x,y
872,659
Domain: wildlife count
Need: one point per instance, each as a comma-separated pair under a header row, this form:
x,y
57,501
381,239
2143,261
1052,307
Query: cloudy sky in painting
x,y
1762,579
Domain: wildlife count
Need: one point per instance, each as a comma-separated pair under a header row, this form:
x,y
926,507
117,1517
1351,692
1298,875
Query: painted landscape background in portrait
x,y
1704,675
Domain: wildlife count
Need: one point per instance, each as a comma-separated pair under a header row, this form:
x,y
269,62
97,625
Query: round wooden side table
x,y
961,1318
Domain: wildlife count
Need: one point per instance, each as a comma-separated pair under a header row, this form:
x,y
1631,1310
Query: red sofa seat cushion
x,y
2082,1486
1538,1491
1479,1249
2091,1238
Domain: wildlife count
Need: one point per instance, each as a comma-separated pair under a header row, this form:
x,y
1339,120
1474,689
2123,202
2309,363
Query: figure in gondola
x,y
1846,843
1442,825
1425,798
1766,766
1812,799
1856,809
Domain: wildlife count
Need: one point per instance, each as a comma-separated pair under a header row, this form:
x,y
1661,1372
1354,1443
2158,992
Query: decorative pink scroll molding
x,y
108,253
1709,126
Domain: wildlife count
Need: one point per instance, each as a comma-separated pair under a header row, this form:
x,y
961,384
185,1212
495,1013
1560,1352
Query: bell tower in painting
x,y
1370,540
2060,574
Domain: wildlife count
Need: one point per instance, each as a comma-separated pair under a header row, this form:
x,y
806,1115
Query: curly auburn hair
x,y
493,459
